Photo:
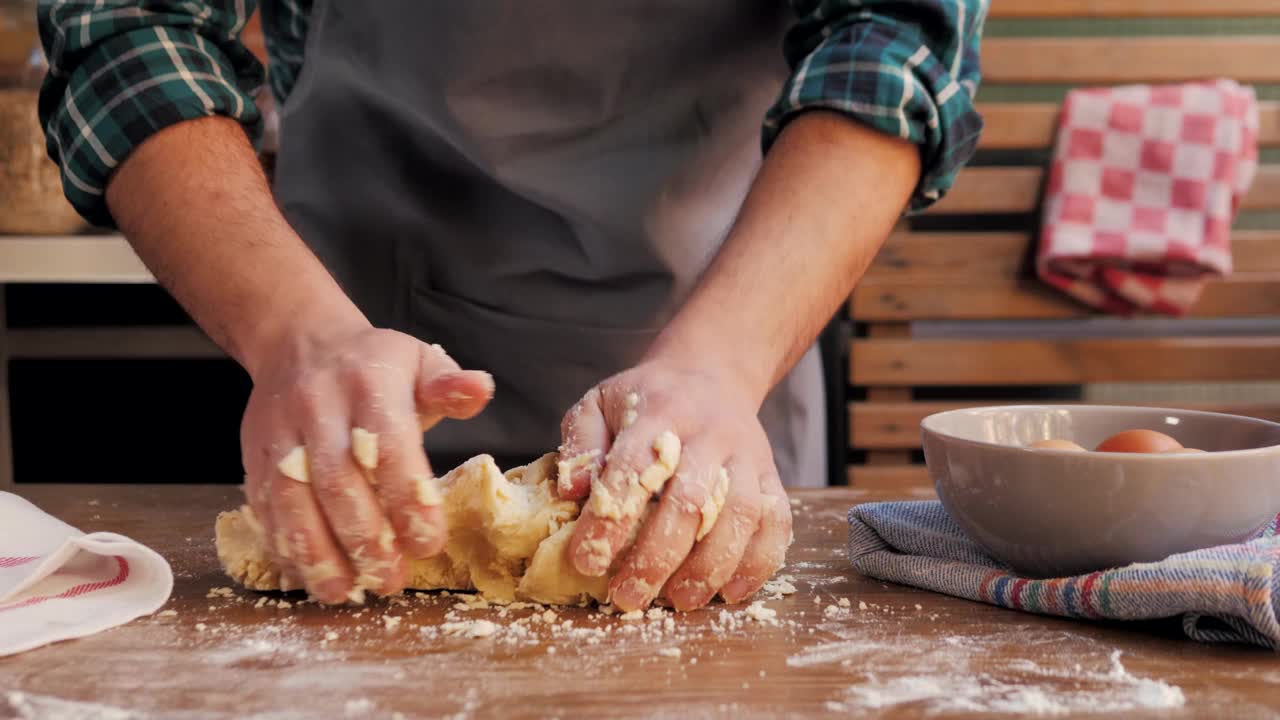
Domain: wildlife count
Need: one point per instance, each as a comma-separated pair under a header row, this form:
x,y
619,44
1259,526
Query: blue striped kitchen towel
x,y
1223,594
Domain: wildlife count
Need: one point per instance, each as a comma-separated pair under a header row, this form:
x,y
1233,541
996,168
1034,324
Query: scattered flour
x,y
358,707
470,628
27,706
1033,691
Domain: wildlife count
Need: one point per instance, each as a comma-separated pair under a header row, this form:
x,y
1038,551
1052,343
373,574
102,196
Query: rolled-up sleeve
x,y
908,68
121,71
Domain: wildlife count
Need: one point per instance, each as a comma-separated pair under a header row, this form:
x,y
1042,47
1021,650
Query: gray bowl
x,y
1049,513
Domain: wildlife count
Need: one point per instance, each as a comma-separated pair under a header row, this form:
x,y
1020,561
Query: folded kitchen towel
x,y
58,583
1223,594
1143,188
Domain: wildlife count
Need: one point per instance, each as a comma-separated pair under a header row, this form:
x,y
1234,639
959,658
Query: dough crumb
x,y
551,650
391,622
331,635
364,447
780,587
358,706
294,465
200,627
761,614
715,503
671,652
284,605
632,615
655,613
167,613
428,490
843,602
470,628
862,605
387,538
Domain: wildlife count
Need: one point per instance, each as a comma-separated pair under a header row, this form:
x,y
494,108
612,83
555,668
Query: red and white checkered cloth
x,y
57,583
1143,188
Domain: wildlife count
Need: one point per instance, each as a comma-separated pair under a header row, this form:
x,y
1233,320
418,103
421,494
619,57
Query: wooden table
x,y
893,652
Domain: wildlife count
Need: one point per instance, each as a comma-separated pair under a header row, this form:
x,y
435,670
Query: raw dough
x,y
507,539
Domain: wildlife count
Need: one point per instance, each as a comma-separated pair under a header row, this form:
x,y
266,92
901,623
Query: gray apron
x,y
536,186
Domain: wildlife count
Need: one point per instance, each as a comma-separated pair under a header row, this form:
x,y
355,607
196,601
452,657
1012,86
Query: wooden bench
x,y
983,272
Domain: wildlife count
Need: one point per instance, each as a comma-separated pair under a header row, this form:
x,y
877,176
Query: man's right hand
x,y
195,204
342,521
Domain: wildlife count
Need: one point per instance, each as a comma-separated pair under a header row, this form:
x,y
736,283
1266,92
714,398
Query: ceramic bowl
x,y
1049,513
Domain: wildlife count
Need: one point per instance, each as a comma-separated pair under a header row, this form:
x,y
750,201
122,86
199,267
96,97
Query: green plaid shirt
x,y
122,70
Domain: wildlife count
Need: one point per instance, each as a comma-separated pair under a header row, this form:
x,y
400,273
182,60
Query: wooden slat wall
x,y
1098,60
1026,298
1018,190
1132,8
979,276
958,276
1033,126
1062,362
939,257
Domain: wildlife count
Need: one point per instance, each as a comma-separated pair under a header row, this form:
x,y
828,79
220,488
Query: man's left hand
x,y
721,523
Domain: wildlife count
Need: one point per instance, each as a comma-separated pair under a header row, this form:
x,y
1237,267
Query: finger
x,y
767,550
301,534
686,510
442,389
642,460
395,465
715,557
257,513
352,509
585,439
459,395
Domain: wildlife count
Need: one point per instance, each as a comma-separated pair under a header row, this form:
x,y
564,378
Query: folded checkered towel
x,y
1224,594
1143,187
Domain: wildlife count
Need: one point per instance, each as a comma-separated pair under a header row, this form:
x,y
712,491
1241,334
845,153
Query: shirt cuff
x,y
126,89
884,76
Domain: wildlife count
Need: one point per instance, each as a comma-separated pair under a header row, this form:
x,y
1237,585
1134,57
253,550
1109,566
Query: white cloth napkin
x,y
57,583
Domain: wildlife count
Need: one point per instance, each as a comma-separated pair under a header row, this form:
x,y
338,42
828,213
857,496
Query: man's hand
x,y
357,494
826,197
721,523
332,436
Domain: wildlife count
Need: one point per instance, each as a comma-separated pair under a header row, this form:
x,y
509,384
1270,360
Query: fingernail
x,y
332,592
735,591
631,594
690,594
489,384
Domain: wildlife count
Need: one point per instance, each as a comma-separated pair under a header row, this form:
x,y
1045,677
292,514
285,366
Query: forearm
x,y
828,194
195,204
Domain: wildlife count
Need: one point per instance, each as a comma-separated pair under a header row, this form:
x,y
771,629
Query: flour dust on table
x,y
508,532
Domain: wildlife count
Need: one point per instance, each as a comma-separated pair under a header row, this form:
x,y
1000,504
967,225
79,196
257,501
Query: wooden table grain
x,y
893,652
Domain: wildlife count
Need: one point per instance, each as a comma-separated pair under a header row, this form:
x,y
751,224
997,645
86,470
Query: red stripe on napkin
x,y
77,590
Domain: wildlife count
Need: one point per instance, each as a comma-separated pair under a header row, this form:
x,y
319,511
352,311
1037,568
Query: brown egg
x,y
1052,444
1139,441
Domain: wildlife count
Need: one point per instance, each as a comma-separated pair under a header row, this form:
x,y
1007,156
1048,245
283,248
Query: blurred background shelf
x,y
70,259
